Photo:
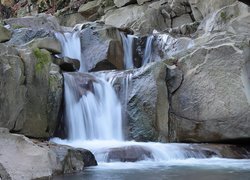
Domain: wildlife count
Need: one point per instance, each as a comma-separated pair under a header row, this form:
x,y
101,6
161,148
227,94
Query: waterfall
x,y
128,46
93,113
128,41
92,109
147,57
71,46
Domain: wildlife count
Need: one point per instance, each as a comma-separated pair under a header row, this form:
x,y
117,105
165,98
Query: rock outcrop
x,y
211,102
147,108
31,91
40,21
22,158
106,41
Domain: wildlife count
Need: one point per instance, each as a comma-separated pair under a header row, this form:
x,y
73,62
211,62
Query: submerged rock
x,y
128,154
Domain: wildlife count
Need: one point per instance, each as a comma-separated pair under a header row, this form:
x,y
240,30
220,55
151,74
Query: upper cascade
x,y
147,57
71,46
132,47
128,45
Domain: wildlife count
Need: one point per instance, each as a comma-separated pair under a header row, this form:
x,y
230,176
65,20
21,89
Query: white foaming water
x,y
147,57
71,46
128,41
159,152
92,115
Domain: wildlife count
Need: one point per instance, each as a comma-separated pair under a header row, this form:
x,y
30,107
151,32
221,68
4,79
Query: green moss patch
x,y
43,58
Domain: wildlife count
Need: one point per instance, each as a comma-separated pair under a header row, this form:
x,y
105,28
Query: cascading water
x,y
147,57
127,41
93,113
94,116
71,46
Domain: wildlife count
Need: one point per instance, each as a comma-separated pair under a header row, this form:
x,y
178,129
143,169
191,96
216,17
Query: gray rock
x,y
212,103
5,34
179,7
40,21
140,2
31,92
90,9
182,20
202,8
232,18
148,104
70,20
12,88
47,43
39,160
106,41
44,93
24,35
120,3
141,19
128,154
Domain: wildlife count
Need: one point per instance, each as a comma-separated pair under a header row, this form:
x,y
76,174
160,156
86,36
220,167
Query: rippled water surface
x,y
188,169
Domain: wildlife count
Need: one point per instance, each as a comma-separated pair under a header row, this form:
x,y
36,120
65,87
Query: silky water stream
x,y
94,117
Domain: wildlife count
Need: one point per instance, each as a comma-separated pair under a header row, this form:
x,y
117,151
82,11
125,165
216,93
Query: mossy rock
x,y
43,58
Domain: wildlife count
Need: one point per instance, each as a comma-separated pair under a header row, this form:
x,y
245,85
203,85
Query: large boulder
x,y
48,43
5,34
212,102
40,21
31,91
147,108
106,41
44,93
12,88
142,19
91,10
26,159
21,36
